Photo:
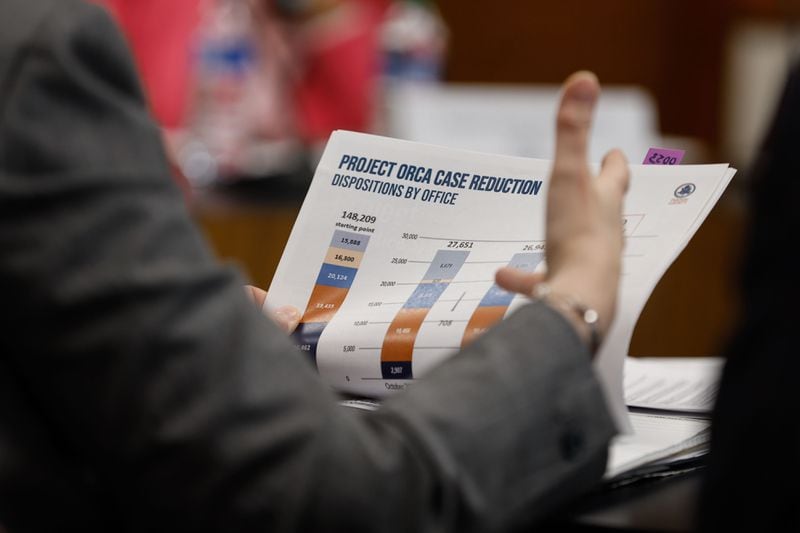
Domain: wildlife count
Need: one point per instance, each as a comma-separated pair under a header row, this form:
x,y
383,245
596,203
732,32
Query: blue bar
x,y
425,295
336,276
500,297
527,262
496,297
349,240
445,265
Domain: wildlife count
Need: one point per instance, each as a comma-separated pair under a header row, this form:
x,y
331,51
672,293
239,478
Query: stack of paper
x,y
656,439
670,399
680,385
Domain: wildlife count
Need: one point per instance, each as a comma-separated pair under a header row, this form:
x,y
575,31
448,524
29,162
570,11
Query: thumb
x,y
286,317
257,295
613,180
519,281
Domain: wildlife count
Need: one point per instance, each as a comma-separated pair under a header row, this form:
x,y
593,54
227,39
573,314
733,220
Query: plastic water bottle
x,y
225,63
414,40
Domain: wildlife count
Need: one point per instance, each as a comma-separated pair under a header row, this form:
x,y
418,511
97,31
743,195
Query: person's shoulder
x,y
18,22
75,38
22,21
67,63
28,24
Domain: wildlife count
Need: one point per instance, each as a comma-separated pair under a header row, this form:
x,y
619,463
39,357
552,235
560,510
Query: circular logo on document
x,y
685,190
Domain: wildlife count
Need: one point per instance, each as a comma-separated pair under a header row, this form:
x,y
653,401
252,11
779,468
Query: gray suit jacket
x,y
140,390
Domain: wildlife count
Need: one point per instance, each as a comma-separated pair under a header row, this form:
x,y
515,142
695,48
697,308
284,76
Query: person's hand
x,y
286,317
584,237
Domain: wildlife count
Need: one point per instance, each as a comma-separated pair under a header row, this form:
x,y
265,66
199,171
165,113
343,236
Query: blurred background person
x,y
698,76
245,87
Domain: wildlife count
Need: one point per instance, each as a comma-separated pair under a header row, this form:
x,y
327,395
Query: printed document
x,y
393,255
678,384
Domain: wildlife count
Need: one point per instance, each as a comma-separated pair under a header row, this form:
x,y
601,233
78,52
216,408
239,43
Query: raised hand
x,y
584,215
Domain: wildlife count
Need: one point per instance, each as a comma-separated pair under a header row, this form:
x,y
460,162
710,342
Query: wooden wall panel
x,y
674,48
251,237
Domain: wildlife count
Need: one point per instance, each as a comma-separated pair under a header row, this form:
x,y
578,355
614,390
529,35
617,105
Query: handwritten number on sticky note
x,y
661,159
663,156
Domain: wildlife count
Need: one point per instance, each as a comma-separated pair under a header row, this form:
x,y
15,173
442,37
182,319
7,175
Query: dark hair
x,y
755,458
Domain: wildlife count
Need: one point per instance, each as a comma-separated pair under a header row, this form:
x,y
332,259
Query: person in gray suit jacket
x,y
140,390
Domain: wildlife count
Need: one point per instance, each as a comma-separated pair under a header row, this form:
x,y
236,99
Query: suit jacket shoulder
x,y
64,62
137,378
18,24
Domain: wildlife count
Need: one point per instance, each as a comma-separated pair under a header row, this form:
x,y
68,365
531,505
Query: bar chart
x,y
335,278
398,345
494,304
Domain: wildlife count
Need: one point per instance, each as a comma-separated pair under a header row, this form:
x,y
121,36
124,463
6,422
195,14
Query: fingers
x,y
286,317
258,296
614,177
519,281
574,120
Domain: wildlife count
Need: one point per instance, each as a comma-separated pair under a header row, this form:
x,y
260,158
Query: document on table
x,y
656,438
392,257
680,384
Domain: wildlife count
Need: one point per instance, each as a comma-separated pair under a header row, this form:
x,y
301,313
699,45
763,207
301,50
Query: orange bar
x,y
324,303
482,319
398,345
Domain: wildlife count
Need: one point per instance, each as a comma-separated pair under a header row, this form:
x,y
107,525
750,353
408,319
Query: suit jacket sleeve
x,y
183,406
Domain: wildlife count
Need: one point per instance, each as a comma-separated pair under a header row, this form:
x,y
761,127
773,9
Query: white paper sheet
x,y
687,384
654,439
394,274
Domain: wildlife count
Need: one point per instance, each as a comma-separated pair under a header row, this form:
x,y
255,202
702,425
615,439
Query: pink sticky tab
x,y
663,156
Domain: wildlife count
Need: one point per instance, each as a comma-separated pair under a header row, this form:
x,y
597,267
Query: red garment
x,y
340,73
160,33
